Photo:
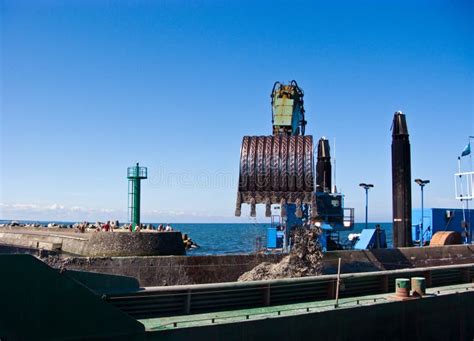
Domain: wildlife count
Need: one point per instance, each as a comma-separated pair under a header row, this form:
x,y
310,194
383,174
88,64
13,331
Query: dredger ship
x,y
279,171
418,293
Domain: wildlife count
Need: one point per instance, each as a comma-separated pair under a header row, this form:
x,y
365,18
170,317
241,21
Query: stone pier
x,y
120,243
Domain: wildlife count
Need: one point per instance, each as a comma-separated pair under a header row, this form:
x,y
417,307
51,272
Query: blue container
x,y
271,238
439,219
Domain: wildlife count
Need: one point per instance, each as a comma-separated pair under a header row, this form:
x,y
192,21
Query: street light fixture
x,y
366,187
422,184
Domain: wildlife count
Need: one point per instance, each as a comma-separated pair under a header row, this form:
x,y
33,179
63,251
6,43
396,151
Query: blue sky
x,y
88,88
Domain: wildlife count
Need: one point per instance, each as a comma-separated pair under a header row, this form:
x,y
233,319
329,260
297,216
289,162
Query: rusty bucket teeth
x,y
253,208
238,205
274,168
283,208
268,209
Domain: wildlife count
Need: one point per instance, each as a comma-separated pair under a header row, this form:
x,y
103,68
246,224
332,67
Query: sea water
x,y
244,238
223,238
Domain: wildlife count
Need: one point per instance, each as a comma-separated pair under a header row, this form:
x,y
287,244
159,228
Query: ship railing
x,y
204,298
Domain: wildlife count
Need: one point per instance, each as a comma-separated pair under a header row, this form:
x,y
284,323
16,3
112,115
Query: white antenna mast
x,y
465,191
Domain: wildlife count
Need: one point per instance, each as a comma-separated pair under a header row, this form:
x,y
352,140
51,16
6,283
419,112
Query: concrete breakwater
x,y
177,270
94,243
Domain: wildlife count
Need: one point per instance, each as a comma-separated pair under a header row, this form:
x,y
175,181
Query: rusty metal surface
x,y
442,238
308,162
275,168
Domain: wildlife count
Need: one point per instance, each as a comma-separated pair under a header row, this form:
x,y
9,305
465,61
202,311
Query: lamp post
x,y
366,187
422,184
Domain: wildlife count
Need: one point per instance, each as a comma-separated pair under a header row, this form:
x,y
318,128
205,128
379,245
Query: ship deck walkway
x,y
241,315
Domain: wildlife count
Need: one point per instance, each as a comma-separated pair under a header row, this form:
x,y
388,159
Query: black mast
x,y
323,167
401,182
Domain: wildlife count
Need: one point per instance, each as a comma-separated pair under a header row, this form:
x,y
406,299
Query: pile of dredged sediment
x,y
303,260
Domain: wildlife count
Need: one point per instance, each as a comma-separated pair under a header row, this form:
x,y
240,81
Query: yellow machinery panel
x,y
283,111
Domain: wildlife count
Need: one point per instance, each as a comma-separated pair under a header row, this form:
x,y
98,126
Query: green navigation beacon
x,y
135,175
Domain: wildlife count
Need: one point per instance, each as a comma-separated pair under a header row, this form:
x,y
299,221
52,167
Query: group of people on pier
x,y
110,226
